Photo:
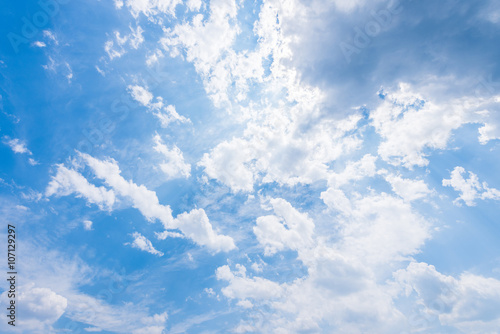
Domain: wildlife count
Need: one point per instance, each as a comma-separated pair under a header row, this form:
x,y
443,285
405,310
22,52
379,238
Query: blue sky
x,y
228,166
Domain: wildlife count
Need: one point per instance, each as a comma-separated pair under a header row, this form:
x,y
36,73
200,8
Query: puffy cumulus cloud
x,y
174,166
408,189
277,150
194,225
354,171
288,138
40,308
470,189
116,48
381,229
470,303
142,243
165,114
410,125
342,280
288,229
68,181
229,163
140,94
16,145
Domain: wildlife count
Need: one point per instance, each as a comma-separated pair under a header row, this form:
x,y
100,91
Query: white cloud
x,y
194,225
174,166
243,287
151,8
87,225
118,4
287,229
116,48
470,303
383,228
40,308
271,151
408,189
112,53
69,71
168,115
140,94
206,44
470,189
39,44
16,145
142,243
342,279
52,283
194,5
101,72
67,181
354,171
33,162
154,57
411,125
51,36
165,114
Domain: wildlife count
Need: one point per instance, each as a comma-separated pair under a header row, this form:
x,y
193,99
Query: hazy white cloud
x,y
342,278
33,162
151,8
165,114
140,94
287,229
174,165
118,4
354,171
39,44
206,44
194,5
451,299
168,114
67,182
142,243
87,225
242,287
41,307
117,47
408,189
51,36
194,225
16,145
411,125
470,189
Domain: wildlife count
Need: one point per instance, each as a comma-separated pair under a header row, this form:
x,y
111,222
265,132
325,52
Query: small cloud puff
x,y
142,243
